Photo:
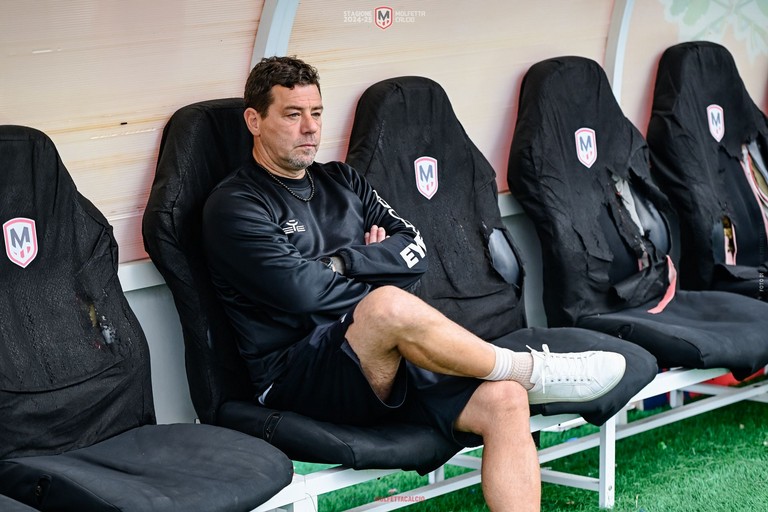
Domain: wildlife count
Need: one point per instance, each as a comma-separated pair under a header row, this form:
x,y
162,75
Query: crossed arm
x,y
375,235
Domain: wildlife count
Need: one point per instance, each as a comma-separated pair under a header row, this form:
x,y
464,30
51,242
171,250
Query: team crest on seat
x,y
586,146
426,175
716,121
20,237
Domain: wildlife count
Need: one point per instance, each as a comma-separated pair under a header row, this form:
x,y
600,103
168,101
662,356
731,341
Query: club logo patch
x,y
293,226
383,17
716,121
426,175
586,146
20,237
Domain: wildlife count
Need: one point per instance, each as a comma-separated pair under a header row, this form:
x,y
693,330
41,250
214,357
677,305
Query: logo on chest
x,y
293,226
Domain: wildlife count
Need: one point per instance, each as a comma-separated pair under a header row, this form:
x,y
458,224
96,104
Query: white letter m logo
x,y
426,175
383,17
20,237
716,121
586,146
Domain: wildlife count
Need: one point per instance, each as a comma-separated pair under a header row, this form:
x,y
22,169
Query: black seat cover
x,y
570,144
68,337
9,505
407,141
201,144
699,97
77,430
406,133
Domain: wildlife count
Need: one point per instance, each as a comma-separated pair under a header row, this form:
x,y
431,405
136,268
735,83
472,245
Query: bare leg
x,y
390,323
511,478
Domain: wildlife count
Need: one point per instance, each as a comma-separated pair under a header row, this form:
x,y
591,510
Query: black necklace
x,y
290,191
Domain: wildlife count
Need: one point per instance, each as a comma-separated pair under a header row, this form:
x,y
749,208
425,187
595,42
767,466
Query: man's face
x,y
287,138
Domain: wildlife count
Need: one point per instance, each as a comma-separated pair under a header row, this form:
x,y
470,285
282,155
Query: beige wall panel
x,y
739,25
101,77
478,52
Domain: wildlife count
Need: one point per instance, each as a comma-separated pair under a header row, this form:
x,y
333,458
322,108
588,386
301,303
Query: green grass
x,y
715,462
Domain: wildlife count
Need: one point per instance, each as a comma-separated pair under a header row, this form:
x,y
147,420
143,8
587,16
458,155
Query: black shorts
x,y
323,380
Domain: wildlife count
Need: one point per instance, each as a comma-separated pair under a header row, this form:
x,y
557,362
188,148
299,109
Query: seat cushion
x,y
389,445
9,505
180,467
741,279
697,329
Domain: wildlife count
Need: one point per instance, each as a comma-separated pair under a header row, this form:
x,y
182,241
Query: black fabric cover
x,y
571,204
591,247
77,430
9,505
201,144
703,177
70,344
474,276
208,144
142,470
400,120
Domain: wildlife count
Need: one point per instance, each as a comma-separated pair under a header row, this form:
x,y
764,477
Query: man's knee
x,y
377,324
493,405
389,306
503,398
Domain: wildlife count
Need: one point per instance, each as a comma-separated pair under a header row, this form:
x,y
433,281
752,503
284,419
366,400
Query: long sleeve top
x,y
263,247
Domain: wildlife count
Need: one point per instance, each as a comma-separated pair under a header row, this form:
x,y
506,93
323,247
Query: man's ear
x,y
252,121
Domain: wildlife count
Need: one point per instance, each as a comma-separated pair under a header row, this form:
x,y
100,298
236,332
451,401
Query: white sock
x,y
509,365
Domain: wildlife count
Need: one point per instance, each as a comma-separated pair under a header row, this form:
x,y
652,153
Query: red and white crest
x,y
20,237
586,146
426,175
383,17
716,121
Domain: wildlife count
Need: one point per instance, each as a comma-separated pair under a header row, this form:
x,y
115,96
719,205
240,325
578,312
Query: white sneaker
x,y
573,377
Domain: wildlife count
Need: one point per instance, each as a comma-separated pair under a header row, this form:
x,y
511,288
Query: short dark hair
x,y
271,71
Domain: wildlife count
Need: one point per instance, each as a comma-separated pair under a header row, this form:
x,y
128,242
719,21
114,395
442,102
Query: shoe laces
x,y
572,367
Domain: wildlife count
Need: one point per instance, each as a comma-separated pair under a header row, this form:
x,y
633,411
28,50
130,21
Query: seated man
x,y
313,269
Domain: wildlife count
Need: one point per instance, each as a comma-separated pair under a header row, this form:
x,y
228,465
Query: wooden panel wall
x,y
101,77
478,52
740,26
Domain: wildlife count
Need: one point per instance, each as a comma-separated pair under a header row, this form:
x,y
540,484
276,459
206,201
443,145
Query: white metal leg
x,y
676,398
437,475
607,463
309,504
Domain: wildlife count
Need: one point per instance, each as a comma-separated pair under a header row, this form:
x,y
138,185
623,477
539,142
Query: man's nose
x,y
309,124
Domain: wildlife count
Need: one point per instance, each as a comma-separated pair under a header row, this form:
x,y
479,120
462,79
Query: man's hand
x,y
375,235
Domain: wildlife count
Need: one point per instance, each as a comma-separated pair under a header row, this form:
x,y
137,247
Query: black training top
x,y
263,245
